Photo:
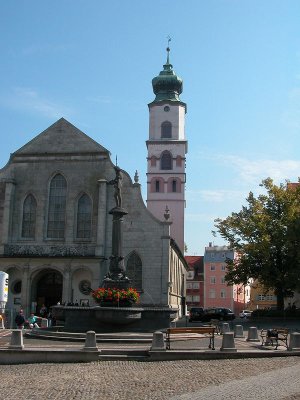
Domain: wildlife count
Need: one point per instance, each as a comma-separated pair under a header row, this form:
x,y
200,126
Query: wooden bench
x,y
277,335
202,332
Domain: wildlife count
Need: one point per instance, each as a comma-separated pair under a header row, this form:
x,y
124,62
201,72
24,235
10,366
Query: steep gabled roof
x,y
195,263
61,137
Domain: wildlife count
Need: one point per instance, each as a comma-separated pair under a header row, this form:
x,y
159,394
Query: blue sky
x,y
92,62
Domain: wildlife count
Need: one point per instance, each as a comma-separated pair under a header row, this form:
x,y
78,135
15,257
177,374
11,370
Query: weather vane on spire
x,y
168,48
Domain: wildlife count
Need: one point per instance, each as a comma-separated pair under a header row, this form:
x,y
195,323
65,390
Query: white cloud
x,y
214,196
200,217
29,100
252,171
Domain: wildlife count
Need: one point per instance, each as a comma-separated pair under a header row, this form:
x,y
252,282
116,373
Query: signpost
x,y
3,296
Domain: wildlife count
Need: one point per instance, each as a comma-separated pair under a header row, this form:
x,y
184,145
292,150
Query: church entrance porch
x,y
46,290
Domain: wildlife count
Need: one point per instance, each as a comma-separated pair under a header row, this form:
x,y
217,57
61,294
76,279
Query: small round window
x,y
166,108
16,287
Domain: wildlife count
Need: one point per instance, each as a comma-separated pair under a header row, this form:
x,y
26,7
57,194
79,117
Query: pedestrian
x,y
43,311
20,320
32,321
50,319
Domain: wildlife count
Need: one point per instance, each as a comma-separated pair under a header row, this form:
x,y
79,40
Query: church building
x,y
55,226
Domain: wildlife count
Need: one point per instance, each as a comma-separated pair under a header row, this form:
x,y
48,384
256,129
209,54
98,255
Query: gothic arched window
x,y
57,208
166,130
166,160
29,216
134,271
84,217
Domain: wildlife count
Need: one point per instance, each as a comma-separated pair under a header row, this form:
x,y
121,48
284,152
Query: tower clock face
x,y
166,108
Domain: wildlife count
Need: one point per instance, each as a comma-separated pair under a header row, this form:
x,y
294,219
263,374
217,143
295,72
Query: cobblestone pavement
x,y
180,380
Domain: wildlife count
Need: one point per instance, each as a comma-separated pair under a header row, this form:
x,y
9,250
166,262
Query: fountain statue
x,y
116,277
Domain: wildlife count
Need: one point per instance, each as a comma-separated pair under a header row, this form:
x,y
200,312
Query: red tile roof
x,y
195,262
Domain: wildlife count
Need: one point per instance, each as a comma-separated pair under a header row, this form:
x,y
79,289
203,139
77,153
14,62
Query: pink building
x,y
216,291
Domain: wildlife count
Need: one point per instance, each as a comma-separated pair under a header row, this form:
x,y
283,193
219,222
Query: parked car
x,y
196,313
245,314
222,314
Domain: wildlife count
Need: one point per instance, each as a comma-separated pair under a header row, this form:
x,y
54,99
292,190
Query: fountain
x,y
115,318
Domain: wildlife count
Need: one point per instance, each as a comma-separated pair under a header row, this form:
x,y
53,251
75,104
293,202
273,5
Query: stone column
x,y
25,293
7,211
101,220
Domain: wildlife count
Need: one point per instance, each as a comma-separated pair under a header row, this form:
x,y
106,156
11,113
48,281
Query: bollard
x,y
252,334
294,341
158,342
16,340
224,328
90,342
228,343
238,331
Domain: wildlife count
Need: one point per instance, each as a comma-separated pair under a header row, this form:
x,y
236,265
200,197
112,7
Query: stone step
x,y
122,357
125,352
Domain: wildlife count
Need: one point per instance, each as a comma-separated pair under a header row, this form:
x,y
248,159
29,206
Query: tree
x,y
266,237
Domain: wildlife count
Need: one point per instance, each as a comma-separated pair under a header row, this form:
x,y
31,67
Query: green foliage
x,y
276,313
266,236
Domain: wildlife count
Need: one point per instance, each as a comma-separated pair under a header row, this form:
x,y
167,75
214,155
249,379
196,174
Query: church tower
x,y
167,147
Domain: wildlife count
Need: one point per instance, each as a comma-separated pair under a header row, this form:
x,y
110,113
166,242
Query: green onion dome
x,y
167,85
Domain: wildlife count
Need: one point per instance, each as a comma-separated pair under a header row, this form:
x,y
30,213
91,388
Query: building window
x,y
196,285
189,285
57,208
84,217
223,280
166,161
16,287
166,130
212,294
212,255
223,294
190,275
196,299
174,186
223,267
29,215
134,271
212,267
157,186
189,299
212,280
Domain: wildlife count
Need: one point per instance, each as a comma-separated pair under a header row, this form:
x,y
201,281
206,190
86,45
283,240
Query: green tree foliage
x,y
266,237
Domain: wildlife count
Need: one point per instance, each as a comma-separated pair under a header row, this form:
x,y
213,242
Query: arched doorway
x,y
48,287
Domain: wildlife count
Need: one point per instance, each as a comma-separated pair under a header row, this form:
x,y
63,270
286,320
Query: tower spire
x,y
168,50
